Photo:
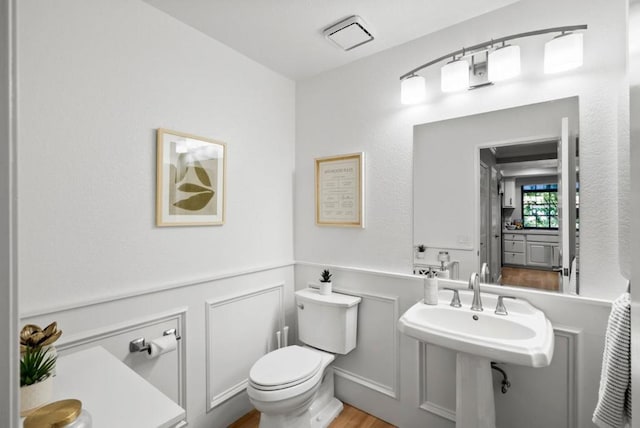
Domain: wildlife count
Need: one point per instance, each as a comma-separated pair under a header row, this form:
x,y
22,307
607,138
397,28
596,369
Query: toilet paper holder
x,y
140,344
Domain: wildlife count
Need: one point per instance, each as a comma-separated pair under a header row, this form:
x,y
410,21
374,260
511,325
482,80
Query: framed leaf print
x,y
190,187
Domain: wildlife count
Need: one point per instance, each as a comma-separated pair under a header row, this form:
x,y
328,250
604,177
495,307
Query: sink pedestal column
x,y
474,392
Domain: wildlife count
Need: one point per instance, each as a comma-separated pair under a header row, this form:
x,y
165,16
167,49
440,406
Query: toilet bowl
x,y
293,386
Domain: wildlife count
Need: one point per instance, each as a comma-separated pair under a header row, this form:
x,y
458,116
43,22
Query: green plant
x,y
36,366
325,276
422,248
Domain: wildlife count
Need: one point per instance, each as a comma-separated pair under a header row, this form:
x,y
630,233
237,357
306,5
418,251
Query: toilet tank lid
x,y
333,299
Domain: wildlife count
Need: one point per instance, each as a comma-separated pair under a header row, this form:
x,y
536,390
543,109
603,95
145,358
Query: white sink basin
x,y
523,337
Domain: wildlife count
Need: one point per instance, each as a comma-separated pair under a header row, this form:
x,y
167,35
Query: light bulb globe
x,y
504,63
563,53
413,90
454,76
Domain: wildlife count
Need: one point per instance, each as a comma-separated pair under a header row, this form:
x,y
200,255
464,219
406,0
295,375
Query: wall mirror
x,y
499,192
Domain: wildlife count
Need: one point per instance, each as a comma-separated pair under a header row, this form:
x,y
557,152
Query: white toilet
x,y
292,387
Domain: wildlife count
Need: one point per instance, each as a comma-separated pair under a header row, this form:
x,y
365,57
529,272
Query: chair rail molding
x,y
153,290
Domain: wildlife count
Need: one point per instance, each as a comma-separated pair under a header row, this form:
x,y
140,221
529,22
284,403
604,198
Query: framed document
x,y
339,190
190,180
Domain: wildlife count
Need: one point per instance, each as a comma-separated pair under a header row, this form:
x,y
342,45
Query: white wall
x,y
357,108
96,79
8,285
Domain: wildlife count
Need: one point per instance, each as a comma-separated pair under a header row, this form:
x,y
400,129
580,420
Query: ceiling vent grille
x,y
349,33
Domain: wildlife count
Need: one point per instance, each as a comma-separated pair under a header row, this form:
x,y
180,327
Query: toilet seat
x,y
285,368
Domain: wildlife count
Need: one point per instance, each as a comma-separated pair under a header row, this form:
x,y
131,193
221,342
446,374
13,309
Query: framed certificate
x,y
339,190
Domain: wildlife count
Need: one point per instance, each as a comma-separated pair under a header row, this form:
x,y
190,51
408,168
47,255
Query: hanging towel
x,y
573,276
614,397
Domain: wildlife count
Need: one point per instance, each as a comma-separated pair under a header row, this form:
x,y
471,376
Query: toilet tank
x,y
327,322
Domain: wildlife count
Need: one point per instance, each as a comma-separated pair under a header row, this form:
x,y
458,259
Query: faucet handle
x,y
500,308
484,273
455,301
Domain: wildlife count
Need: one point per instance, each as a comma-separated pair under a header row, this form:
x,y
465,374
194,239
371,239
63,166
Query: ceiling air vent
x,y
349,33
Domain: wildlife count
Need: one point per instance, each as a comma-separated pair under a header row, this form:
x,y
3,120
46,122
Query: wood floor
x,y
349,418
535,278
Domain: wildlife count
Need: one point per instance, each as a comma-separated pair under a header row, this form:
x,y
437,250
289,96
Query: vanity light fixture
x,y
562,53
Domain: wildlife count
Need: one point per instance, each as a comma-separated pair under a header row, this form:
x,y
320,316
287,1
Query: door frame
x,y
478,209
9,357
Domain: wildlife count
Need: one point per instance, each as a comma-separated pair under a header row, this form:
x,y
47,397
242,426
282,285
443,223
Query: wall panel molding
x,y
178,316
425,402
569,334
233,329
366,382
572,336
392,390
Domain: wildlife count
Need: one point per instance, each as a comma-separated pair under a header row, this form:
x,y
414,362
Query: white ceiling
x,y
286,35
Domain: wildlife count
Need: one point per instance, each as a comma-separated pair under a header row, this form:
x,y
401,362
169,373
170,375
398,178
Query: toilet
x,y
292,387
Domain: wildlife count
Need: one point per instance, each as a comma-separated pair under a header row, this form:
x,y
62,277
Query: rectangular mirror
x,y
498,192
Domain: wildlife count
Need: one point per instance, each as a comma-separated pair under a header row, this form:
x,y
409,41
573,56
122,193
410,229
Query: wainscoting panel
x,y
239,330
553,387
166,372
377,317
438,380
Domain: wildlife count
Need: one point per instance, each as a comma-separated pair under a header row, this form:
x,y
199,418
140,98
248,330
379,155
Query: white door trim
x,y
9,382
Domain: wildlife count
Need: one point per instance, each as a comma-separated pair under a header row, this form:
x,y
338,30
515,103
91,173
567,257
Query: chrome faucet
x,y
474,284
484,273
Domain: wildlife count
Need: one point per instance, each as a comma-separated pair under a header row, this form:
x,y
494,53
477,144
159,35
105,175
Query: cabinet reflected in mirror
x,y
500,188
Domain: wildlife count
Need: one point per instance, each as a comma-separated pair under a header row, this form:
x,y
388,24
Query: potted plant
x,y
36,379
37,365
421,251
325,282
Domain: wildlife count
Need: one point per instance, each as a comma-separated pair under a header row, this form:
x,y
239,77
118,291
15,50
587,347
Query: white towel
x,y
614,397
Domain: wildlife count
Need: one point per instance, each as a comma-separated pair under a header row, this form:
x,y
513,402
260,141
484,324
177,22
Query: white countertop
x,y
112,393
531,231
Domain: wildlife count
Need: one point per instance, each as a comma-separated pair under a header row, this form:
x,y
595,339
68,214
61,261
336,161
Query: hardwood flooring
x,y
250,420
535,278
350,417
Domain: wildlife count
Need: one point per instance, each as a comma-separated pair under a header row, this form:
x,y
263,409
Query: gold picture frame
x,y
339,190
191,183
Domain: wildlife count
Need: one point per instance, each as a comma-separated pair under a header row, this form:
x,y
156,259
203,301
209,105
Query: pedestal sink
x,y
524,336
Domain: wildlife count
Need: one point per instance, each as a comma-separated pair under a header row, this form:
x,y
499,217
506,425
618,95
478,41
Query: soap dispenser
x,y
431,288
